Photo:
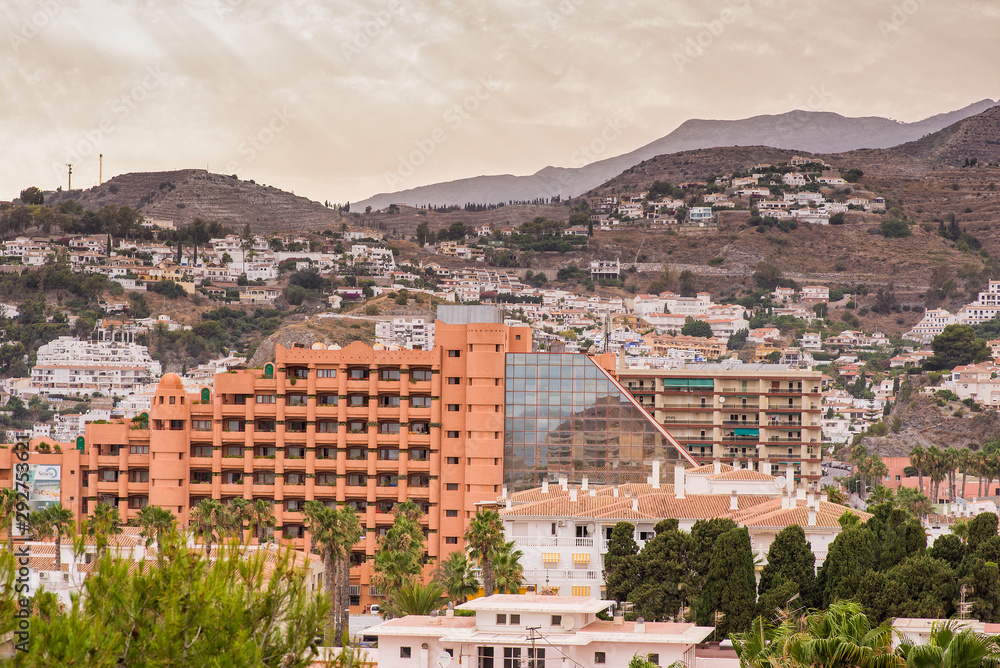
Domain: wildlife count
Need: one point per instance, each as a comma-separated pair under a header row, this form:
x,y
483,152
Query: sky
x,y
343,99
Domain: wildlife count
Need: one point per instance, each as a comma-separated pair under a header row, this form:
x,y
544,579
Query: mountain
x,y
975,137
183,195
807,131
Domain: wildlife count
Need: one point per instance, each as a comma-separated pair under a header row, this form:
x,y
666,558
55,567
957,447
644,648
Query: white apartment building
x,y
932,324
514,630
986,307
68,365
408,333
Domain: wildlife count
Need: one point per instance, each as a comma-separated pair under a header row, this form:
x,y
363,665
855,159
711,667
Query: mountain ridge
x,y
807,131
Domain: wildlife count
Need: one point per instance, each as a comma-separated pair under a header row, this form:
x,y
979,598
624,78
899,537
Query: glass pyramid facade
x,y
565,416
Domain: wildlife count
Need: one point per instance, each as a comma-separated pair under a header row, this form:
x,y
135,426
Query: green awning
x,y
688,382
740,431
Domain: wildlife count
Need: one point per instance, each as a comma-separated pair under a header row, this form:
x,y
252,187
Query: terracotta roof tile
x,y
742,474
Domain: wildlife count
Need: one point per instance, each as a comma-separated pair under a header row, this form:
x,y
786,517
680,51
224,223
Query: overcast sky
x,y
343,99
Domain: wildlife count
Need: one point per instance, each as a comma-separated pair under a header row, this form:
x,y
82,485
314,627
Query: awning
x,y
581,558
689,382
550,558
742,431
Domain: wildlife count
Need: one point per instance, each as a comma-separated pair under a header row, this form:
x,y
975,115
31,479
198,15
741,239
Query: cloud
x,y
365,80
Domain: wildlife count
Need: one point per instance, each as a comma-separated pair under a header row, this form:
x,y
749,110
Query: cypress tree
x,y
730,586
789,558
621,564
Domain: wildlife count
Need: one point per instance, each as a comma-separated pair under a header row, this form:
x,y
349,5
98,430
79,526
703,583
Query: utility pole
x,y
100,169
531,630
69,177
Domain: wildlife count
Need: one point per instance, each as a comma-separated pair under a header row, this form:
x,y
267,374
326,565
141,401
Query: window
x,y
388,374
419,481
232,478
201,450
294,532
265,452
296,400
201,425
454,380
233,451
536,653
388,480
418,454
501,618
357,426
357,374
326,399
266,398
452,460
451,540
420,428
556,620
654,659
295,425
420,401
388,454
357,400
294,505
454,408
405,652
454,353
388,428
357,505
451,486
138,475
138,449
326,373
388,401
233,425
326,478
420,375
137,502
295,452
452,434
485,656
263,478
511,657
599,657
326,453
295,478
357,453
515,619
451,513
265,425
385,507
173,400
357,480
326,427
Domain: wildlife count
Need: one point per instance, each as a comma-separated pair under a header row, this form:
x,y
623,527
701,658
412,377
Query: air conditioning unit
x,y
561,523
530,588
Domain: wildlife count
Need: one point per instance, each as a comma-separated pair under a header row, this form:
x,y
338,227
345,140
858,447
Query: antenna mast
x,y
100,169
69,177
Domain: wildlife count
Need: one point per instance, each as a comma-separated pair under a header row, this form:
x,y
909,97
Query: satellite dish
x,y
567,623
722,400
444,659
779,482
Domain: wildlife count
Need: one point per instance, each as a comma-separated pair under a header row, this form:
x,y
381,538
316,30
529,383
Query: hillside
x,y
924,422
184,195
809,131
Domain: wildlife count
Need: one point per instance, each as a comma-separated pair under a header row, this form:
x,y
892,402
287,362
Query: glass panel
x,y
564,415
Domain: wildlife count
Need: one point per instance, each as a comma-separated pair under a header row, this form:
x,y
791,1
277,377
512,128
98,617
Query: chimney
x,y
733,502
564,482
736,462
717,466
679,481
635,504
503,492
507,505
593,492
784,500
810,499
789,481
545,486
823,497
812,517
615,492
451,610
572,494
656,474
640,625
800,493
586,484
619,619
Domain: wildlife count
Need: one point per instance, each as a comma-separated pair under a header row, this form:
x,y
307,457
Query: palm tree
x,y
950,646
484,539
936,469
104,523
918,460
961,529
966,462
843,636
334,532
239,513
394,570
156,522
54,520
507,569
417,599
206,519
9,499
455,575
260,515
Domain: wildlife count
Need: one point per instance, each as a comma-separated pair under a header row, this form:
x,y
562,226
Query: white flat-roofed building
x,y
409,333
69,365
527,629
932,324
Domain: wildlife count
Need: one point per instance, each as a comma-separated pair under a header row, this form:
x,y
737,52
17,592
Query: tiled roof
x,y
742,474
709,468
